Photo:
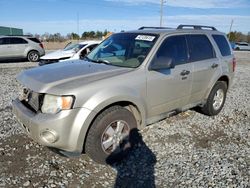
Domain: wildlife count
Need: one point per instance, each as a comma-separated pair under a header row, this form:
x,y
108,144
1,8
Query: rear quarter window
x,y
200,48
34,40
222,44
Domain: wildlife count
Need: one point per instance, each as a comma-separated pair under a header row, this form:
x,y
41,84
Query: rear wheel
x,y
33,56
108,136
216,99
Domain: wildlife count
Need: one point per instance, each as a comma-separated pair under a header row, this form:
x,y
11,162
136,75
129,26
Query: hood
x,y
54,77
58,54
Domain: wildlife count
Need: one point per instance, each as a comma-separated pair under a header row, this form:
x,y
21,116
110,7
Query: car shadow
x,y
14,61
135,167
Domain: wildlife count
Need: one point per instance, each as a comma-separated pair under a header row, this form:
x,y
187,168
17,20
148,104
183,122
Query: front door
x,y
169,89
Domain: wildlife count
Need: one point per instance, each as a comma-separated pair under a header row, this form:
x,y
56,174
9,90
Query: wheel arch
x,y
30,50
129,105
224,78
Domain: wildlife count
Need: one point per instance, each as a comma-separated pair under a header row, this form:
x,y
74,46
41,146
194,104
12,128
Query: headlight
x,y
53,104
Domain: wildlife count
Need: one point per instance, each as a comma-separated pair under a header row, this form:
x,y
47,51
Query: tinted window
x,y
200,48
35,40
174,48
4,41
222,43
92,47
16,40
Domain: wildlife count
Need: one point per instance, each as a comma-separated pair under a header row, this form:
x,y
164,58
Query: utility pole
x,y
161,13
230,29
78,25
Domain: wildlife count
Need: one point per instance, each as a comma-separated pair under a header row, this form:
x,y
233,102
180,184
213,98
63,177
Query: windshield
x,y
75,47
124,49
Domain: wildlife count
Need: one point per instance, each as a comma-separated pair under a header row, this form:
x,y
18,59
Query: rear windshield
x,y
222,43
34,40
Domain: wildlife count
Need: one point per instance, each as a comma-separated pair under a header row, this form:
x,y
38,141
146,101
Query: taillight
x,y
234,64
41,44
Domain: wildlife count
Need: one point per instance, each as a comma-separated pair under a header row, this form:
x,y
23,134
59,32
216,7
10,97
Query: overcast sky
x,y
40,16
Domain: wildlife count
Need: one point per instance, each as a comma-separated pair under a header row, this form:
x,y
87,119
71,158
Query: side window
x,y
174,48
222,43
4,41
16,40
92,47
200,48
1,41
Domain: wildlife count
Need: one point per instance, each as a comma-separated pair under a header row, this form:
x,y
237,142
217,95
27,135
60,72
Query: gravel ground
x,y
187,150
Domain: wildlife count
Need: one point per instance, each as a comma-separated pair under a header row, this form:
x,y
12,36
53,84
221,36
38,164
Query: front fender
x,y
107,97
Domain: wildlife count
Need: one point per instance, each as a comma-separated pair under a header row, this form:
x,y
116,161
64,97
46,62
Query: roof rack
x,y
200,27
142,28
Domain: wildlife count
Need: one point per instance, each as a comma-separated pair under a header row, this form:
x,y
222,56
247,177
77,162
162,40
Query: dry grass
x,y
57,45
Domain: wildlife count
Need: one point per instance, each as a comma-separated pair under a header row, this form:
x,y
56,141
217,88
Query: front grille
x,y
32,100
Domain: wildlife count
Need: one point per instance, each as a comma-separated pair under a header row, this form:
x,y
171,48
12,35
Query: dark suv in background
x,y
17,47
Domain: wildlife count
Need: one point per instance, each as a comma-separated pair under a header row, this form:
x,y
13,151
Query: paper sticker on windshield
x,y
145,37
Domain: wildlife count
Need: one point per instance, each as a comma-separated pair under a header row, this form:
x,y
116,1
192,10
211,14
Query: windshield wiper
x,y
103,61
97,60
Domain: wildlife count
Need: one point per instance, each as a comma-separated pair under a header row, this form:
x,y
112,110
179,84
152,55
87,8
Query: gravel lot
x,y
190,149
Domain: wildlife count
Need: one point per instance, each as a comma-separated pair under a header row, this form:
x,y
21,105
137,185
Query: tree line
x,y
238,37
234,36
57,37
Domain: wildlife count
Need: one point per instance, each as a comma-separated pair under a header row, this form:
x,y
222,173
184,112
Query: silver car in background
x,y
17,47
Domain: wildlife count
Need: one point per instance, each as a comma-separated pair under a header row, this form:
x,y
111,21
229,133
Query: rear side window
x,y
200,48
174,48
34,40
222,43
4,41
16,40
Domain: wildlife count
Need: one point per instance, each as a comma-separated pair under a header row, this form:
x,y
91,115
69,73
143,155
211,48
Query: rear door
x,y
169,89
18,46
5,48
206,66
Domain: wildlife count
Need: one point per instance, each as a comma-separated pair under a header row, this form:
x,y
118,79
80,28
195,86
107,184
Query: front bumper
x,y
65,130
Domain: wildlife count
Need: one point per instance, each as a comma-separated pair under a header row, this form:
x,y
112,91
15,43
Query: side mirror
x,y
162,63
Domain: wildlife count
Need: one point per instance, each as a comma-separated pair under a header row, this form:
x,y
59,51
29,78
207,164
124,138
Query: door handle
x,y
214,65
184,72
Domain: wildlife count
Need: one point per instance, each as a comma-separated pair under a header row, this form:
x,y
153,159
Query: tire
x,y
237,49
99,136
33,56
216,99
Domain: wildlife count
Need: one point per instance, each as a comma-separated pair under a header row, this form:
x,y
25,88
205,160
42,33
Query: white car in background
x,y
241,46
72,51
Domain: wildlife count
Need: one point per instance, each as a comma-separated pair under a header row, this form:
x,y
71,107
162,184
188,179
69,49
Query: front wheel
x,y
33,56
108,136
216,99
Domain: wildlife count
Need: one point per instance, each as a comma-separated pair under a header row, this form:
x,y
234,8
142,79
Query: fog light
x,y
49,136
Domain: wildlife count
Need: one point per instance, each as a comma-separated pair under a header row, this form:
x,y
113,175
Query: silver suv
x,y
132,79
14,47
